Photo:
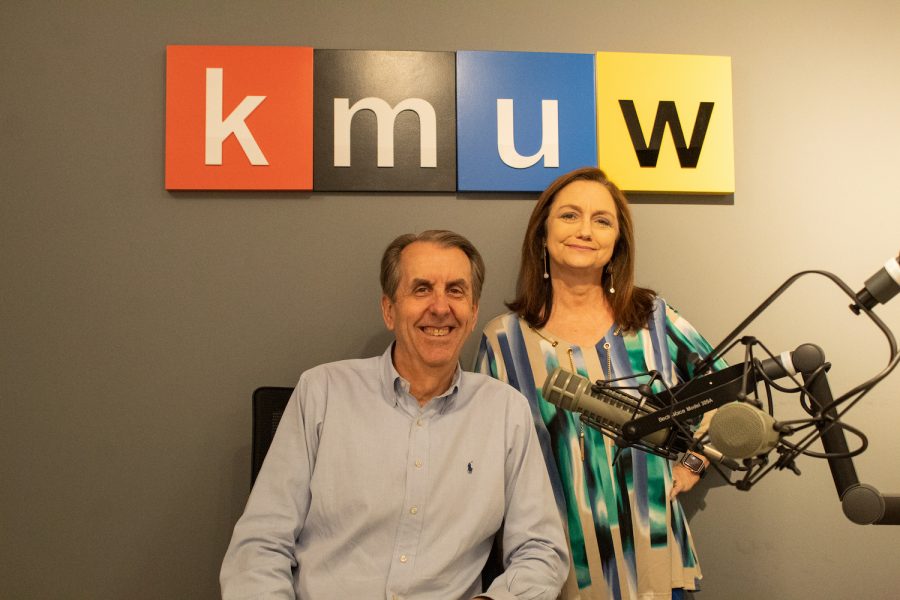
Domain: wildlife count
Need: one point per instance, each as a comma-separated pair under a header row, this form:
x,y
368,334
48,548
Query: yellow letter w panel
x,y
664,122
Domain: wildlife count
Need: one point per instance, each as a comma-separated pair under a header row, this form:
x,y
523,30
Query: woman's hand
x,y
683,479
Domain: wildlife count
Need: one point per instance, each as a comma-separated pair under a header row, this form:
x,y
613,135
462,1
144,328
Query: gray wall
x,y
136,322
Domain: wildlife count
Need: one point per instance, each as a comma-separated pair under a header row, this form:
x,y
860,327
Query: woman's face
x,y
582,228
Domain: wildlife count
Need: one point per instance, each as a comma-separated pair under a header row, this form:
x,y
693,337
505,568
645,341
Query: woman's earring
x,y
612,289
546,263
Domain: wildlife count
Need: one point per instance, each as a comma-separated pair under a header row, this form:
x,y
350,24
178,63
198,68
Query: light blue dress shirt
x,y
365,494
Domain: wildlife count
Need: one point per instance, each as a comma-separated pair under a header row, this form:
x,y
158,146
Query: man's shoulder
x,y
348,364
485,386
359,369
497,402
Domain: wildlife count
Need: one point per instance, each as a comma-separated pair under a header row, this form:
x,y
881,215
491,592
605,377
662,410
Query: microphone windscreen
x,y
740,430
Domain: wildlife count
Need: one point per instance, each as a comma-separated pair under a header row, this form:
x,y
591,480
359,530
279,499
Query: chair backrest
x,y
268,406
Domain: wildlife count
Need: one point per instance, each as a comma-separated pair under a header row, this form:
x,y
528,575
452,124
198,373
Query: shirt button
x,y
419,422
418,464
403,558
413,510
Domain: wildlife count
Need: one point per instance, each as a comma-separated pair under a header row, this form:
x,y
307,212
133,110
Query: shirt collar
x,y
395,388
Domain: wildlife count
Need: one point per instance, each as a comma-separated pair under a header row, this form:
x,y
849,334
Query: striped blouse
x,y
628,541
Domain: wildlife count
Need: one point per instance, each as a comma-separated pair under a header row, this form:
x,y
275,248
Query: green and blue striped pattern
x,y
627,540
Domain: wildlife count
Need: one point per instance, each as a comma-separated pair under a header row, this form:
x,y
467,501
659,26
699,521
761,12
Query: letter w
x,y
647,155
385,117
217,130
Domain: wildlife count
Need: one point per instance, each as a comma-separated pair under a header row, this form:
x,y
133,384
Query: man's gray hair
x,y
390,260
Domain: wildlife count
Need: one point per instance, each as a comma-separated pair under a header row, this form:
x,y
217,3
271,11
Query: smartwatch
x,y
693,463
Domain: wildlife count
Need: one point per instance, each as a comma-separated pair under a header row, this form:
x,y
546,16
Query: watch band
x,y
693,463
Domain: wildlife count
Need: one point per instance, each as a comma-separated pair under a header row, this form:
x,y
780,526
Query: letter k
x,y
217,130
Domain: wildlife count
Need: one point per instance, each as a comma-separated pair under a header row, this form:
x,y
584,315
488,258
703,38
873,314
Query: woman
x,y
577,307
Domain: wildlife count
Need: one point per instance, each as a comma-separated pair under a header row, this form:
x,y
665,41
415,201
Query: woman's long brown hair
x,y
631,305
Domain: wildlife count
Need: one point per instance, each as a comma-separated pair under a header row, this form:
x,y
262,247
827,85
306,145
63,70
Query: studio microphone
x,y
880,287
740,429
612,408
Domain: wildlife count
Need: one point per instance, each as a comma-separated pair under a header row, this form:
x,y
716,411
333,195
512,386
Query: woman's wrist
x,y
695,463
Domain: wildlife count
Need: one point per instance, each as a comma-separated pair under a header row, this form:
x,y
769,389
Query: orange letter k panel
x,y
239,118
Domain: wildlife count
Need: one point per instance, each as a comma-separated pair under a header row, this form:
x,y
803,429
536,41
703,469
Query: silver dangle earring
x,y
612,289
546,262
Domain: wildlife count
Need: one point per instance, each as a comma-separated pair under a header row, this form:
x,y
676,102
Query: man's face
x,y
433,312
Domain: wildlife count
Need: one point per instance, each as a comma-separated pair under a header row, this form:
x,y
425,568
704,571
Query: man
x,y
388,477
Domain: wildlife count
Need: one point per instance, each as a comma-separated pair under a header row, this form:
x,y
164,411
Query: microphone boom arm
x,y
678,407
861,503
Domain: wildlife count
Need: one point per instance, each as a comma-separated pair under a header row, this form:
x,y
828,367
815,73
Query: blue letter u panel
x,y
523,118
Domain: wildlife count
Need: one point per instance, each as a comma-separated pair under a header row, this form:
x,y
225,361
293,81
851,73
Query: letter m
x,y
666,113
385,117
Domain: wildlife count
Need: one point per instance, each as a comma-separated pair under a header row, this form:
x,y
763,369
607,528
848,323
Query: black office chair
x,y
268,406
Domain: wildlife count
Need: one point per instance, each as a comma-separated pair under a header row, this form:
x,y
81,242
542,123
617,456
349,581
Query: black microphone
x,y
880,287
